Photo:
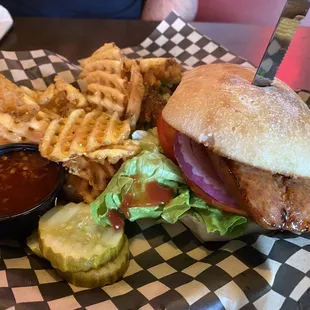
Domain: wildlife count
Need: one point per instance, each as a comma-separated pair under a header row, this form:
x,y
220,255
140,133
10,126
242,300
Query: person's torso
x,y
125,9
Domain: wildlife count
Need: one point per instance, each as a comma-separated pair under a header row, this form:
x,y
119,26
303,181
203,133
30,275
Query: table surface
x,y
77,38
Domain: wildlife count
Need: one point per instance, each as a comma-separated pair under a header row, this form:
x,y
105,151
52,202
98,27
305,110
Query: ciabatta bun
x,y
265,127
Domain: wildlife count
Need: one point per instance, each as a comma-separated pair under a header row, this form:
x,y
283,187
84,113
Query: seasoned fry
x,y
12,137
18,131
136,95
160,76
105,65
60,98
41,120
19,134
112,85
164,69
47,95
116,83
97,175
15,102
78,189
107,97
72,94
107,81
88,131
157,69
34,94
108,51
82,132
116,152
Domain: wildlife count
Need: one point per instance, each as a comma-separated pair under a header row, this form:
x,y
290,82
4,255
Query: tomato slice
x,y
166,136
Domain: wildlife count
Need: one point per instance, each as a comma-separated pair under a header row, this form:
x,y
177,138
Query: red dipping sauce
x,y
26,180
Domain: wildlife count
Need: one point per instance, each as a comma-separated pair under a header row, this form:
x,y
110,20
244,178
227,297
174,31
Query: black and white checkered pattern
x,y
37,69
175,38
169,267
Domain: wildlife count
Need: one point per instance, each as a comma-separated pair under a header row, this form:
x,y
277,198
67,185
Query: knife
x,y
280,40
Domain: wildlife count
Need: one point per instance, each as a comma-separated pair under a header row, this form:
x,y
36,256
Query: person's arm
x,y
159,9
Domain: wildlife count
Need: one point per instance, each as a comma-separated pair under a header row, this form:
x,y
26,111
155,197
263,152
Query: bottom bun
x,y
199,229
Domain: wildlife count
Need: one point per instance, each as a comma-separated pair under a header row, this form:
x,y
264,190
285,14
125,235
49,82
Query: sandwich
x,y
232,158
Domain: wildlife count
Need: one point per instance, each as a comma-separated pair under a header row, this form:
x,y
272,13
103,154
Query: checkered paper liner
x,y
169,267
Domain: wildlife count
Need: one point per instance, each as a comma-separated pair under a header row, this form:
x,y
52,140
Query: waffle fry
x,y
81,133
157,70
11,136
107,81
41,97
112,85
78,189
105,65
136,94
34,94
160,75
61,98
108,51
29,131
15,102
116,152
164,69
87,179
47,95
107,97
87,131
41,121
72,94
97,175
19,133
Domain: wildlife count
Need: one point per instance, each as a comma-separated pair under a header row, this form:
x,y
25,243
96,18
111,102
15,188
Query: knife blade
x,y
292,14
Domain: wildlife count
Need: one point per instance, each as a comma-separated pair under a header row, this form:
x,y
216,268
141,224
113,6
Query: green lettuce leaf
x,y
214,219
150,165
224,223
177,207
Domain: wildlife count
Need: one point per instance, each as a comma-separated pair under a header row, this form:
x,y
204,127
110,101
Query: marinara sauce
x,y
26,180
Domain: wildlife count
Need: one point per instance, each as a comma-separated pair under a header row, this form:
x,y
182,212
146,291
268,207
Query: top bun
x,y
265,127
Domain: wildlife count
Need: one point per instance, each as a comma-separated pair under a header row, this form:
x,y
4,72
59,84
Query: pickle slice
x,y
109,273
72,241
33,243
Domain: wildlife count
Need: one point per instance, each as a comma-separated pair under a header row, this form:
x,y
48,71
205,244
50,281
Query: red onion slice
x,y
194,161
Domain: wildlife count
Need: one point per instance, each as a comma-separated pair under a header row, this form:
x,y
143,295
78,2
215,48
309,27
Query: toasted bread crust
x,y
265,127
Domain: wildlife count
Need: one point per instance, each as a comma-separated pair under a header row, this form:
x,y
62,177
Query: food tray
x,y
169,267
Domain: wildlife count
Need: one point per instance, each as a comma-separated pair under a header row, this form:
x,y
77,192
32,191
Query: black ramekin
x,y
21,225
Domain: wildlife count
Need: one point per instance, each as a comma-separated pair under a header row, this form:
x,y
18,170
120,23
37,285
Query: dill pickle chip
x,y
33,243
109,273
72,241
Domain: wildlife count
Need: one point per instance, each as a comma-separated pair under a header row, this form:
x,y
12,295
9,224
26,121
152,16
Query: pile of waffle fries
x,y
88,132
